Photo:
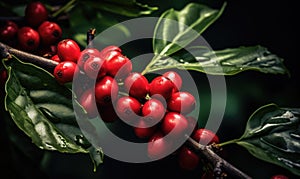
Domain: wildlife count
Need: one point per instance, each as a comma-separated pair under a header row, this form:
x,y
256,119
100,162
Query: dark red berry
x,y
182,102
9,31
175,123
106,91
64,71
119,65
175,78
208,175
161,87
28,38
136,85
35,13
128,108
87,101
94,67
68,50
279,177
85,55
50,32
153,111
158,146
205,137
55,58
187,159
3,77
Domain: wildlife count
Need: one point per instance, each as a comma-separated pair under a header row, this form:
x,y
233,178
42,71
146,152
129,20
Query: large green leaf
x,y
223,62
43,110
176,29
273,134
129,8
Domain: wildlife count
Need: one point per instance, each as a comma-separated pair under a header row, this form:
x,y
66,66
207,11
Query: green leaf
x,y
43,109
223,62
129,8
273,134
176,29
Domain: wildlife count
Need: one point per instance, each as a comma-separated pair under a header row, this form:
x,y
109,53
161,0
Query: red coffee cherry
x,y
68,50
175,78
175,123
85,55
3,77
50,32
128,108
55,58
153,111
137,85
64,71
94,67
9,31
106,91
28,38
143,131
88,102
205,137
108,113
187,159
161,86
106,52
119,65
279,177
182,102
158,146
35,13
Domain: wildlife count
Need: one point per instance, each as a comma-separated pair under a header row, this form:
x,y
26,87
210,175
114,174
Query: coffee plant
x,y
75,82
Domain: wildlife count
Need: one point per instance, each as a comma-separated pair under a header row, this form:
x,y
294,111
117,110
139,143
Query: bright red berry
x,y
9,31
161,87
87,101
50,32
94,67
119,66
64,71
142,131
182,102
205,137
106,52
279,177
158,146
175,123
55,58
128,108
85,55
153,111
68,50
175,78
106,91
36,13
187,159
28,38
137,85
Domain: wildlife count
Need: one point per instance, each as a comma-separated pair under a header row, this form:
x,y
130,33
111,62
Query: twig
x,y
216,160
90,35
7,51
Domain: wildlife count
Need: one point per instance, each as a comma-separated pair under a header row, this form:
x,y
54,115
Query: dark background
x,y
271,24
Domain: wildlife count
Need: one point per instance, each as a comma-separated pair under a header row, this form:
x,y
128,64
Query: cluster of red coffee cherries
x,y
154,109
36,34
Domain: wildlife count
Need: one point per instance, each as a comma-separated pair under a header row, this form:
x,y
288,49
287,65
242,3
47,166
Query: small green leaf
x,y
223,62
129,8
176,29
43,109
273,134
